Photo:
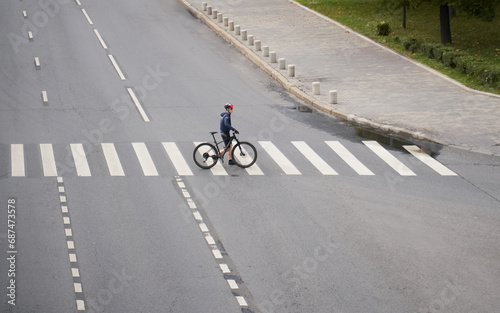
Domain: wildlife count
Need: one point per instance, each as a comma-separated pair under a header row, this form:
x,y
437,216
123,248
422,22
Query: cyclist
x,y
225,128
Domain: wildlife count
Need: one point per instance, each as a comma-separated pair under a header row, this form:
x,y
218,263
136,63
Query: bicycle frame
x,y
233,137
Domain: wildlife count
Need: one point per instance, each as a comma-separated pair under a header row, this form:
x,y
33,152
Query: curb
x,y
389,130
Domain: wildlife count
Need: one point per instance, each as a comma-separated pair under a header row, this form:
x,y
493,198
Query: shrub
x,y
462,63
439,51
411,44
430,49
449,58
383,29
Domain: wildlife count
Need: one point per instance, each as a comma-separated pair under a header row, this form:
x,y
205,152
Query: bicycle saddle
x,y
213,133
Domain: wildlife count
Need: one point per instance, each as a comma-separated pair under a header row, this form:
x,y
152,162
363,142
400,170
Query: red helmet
x,y
228,105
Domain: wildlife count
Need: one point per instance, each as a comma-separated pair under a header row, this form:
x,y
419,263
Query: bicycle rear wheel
x,y
205,155
244,154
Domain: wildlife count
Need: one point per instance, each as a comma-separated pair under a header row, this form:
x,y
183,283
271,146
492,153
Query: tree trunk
x,y
444,18
404,16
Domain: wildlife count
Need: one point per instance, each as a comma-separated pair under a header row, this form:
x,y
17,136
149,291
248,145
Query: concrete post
x,y
226,21
282,63
273,56
315,86
250,40
231,26
204,6
291,70
333,97
209,10
244,35
219,17
237,30
214,13
257,45
265,51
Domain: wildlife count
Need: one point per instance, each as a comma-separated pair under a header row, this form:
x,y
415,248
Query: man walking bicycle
x,y
225,128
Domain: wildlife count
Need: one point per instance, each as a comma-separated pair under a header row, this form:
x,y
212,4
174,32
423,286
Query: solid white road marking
x,y
349,158
117,68
138,105
314,158
88,17
148,167
48,160
218,169
112,159
390,159
429,161
17,160
81,164
177,159
103,44
279,158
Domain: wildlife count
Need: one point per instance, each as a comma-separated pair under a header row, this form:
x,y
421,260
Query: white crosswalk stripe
x,y
391,160
48,160
252,170
17,160
349,158
177,159
80,159
280,158
314,158
218,169
147,164
112,159
429,161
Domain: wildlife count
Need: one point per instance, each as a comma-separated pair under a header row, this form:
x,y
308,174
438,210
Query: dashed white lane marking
x,y
17,160
147,164
30,35
429,161
48,160
388,158
81,164
232,284
218,169
117,68
37,62
279,158
88,17
138,104
349,158
103,44
241,301
25,14
45,98
112,159
78,2
224,268
177,159
314,158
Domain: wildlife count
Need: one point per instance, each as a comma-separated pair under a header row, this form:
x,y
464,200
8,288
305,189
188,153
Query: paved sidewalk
x,y
376,87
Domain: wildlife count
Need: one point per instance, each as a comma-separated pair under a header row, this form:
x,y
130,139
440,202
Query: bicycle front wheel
x,y
244,154
205,155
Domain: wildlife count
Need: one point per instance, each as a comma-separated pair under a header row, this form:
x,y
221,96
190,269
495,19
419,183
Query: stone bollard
x,y
204,6
226,21
282,63
273,56
250,40
244,35
316,88
219,17
291,70
265,51
257,45
214,13
237,30
231,26
333,97
209,10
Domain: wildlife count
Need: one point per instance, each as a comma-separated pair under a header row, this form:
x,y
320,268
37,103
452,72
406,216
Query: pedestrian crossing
x,y
294,158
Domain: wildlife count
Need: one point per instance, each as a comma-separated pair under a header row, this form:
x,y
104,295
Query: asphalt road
x,y
141,234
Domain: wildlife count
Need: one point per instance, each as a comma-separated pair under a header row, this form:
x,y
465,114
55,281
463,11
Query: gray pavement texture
x,y
377,87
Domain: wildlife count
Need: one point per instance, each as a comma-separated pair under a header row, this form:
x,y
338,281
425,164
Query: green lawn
x,y
471,35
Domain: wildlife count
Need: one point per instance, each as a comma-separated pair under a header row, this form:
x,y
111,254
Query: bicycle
x,y
206,155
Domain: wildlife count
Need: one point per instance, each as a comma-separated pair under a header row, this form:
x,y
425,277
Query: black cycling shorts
x,y
227,139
